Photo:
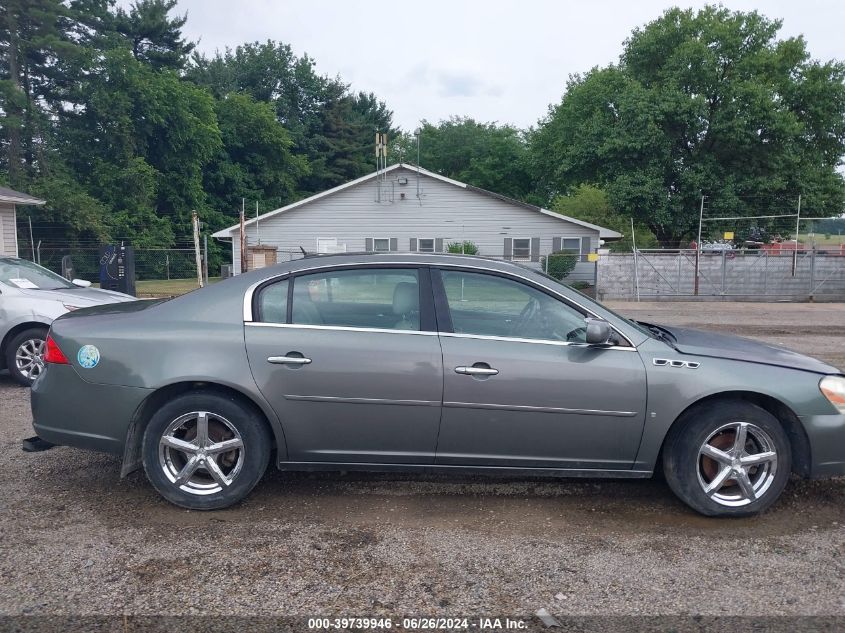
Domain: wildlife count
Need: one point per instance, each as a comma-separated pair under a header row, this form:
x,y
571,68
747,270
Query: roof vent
x,y
402,181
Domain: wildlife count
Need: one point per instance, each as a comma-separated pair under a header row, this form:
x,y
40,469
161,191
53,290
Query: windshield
x,y
20,273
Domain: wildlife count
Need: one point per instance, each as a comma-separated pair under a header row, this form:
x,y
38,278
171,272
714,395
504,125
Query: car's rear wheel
x,y
205,450
729,458
25,355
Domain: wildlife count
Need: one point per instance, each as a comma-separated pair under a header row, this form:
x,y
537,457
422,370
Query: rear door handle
x,y
476,371
288,360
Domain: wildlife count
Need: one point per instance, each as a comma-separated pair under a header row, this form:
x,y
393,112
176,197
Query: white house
x,y
404,208
8,221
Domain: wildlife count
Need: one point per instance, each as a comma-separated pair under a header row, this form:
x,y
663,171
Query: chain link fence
x,y
150,264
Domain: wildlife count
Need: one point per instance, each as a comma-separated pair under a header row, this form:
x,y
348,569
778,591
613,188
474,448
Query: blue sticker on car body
x,y
88,356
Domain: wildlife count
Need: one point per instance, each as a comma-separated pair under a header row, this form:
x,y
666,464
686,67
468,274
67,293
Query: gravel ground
x,y
78,540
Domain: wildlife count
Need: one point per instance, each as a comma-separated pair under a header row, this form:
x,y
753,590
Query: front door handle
x,y
288,360
476,371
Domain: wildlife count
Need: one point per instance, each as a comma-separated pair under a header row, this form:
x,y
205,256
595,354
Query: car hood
x,y
80,297
700,343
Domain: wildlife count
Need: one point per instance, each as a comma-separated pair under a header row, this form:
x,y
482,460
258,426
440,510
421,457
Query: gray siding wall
x,y
8,246
444,211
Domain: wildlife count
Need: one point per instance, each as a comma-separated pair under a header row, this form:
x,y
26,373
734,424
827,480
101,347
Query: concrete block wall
x,y
740,275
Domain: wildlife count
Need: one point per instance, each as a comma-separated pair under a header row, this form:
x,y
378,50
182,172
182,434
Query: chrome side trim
x,y
537,341
520,407
410,403
339,328
248,317
251,290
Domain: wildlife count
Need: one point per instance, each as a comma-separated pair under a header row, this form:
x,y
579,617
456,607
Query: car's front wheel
x,y
205,450
25,355
727,458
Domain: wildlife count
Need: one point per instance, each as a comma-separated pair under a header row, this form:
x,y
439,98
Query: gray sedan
x,y
30,298
430,363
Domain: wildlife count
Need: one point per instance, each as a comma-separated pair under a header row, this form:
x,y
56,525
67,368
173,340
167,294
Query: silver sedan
x,y
31,297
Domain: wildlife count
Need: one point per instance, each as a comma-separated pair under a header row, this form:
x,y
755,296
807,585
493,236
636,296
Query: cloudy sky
x,y
494,60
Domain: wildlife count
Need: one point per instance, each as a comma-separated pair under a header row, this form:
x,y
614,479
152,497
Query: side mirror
x,y
82,283
598,332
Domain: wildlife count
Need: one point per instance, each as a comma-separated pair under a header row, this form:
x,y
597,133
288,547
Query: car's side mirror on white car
x,y
82,283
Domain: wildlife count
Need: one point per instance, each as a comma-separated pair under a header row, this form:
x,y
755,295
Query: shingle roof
x,y
10,195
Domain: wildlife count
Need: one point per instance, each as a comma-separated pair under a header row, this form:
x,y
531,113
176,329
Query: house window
x,y
425,245
571,244
522,249
381,244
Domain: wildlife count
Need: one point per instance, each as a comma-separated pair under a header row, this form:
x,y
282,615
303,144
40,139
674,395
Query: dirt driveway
x,y
75,539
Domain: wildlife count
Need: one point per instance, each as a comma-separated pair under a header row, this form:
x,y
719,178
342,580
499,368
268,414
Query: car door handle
x,y
288,360
476,371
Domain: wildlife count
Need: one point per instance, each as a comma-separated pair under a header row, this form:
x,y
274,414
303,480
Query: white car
x,y
31,298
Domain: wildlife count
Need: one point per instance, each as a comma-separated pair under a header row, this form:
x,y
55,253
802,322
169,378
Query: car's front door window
x,y
490,305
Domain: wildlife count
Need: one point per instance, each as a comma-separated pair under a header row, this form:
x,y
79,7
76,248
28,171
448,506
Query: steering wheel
x,y
525,316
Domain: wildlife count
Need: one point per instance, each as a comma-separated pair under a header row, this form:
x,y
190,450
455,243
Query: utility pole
x,y
257,234
31,240
243,238
205,257
636,259
197,256
698,243
797,227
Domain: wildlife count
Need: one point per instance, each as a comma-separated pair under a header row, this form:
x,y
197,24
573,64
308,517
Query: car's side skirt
x,y
473,470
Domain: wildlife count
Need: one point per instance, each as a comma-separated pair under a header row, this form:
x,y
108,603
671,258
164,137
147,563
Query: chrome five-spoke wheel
x,y
201,452
737,464
728,457
206,449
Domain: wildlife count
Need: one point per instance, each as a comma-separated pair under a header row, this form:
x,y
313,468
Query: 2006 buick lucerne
x,y
430,363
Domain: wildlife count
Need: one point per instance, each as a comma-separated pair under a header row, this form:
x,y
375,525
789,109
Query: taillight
x,y
53,353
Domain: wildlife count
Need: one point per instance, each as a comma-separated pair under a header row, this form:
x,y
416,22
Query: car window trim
x,y
250,291
428,319
341,328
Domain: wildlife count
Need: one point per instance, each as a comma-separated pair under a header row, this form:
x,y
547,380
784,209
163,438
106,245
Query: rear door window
x,y
382,298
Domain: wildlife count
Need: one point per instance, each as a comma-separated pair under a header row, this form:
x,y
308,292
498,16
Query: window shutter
x,y
585,247
535,249
557,244
438,244
394,244
413,245
508,248
368,245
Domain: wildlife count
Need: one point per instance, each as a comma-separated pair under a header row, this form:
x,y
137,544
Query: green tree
x,y
331,128
141,142
36,64
706,102
591,204
155,37
489,156
255,160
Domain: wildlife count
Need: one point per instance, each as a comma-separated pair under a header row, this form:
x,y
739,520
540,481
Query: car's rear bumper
x,y
68,411
827,445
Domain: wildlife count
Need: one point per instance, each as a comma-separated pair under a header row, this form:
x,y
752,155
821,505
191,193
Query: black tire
x,y
30,334
228,418
688,472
